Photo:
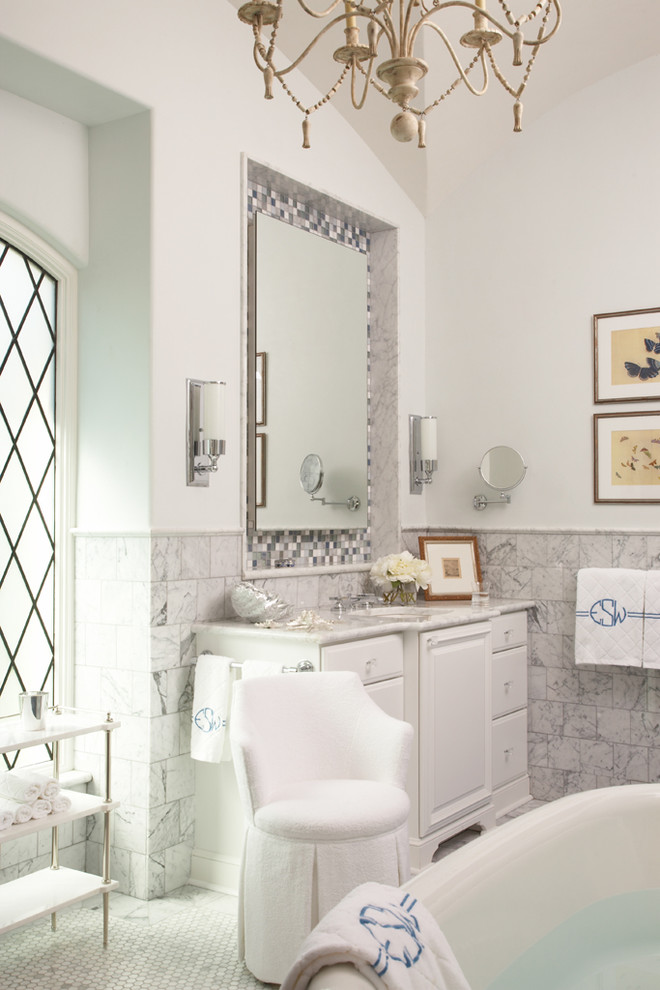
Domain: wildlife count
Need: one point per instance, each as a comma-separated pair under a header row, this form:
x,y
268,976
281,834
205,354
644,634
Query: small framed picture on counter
x,y
455,566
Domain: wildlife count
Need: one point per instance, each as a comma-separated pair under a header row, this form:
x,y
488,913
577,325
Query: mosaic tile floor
x,y
186,941
183,942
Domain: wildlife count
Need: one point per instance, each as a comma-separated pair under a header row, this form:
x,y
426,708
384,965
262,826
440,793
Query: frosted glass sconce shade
x,y
205,429
423,452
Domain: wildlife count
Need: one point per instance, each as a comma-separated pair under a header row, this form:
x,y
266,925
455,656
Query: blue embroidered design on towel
x,y
608,612
209,720
397,932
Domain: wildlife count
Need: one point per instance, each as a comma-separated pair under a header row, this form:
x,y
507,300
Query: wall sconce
x,y
205,428
423,452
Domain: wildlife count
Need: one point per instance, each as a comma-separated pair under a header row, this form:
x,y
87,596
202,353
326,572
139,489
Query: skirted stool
x,y
321,772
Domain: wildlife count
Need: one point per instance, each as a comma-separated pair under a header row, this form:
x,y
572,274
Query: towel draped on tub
x,y
390,938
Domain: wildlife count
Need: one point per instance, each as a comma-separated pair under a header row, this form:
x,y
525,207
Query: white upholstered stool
x,y
321,772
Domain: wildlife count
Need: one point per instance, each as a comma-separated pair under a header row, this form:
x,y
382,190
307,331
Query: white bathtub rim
x,y
571,853
462,890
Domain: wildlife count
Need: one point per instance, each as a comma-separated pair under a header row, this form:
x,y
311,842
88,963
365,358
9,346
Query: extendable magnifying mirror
x,y
311,479
502,468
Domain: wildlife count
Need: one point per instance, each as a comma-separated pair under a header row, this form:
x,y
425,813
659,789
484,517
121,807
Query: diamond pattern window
x,y
28,308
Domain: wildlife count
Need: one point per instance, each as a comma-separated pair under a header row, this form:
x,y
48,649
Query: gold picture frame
x,y
627,355
627,457
455,566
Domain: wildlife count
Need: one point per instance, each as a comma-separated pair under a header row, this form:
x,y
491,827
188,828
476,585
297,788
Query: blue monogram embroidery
x,y
607,612
208,720
396,930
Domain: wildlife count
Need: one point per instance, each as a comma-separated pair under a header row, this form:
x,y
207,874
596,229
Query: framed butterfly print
x,y
627,356
627,457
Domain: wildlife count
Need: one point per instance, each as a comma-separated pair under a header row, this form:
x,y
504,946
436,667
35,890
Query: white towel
x,y
651,655
14,785
210,714
6,820
59,803
609,616
20,813
388,935
41,808
48,786
259,668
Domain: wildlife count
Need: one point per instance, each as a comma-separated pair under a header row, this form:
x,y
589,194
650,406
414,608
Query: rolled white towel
x,y
14,785
41,808
20,813
6,820
49,786
61,802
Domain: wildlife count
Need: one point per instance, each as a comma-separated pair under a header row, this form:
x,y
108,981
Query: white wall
x,y
192,65
563,225
44,174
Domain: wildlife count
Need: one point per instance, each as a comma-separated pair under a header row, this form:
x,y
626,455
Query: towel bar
x,y
302,667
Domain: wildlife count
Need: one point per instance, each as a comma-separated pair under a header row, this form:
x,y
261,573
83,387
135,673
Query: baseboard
x,y
215,872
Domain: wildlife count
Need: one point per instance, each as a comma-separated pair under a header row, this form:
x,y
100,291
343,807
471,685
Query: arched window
x,y
37,433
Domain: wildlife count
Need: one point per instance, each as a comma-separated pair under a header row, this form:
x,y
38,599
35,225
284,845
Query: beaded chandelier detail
x,y
397,26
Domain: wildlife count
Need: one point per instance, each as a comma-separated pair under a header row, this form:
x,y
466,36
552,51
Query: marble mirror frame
x,y
384,518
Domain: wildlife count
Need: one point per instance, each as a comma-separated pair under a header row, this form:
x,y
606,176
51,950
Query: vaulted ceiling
x,y
596,38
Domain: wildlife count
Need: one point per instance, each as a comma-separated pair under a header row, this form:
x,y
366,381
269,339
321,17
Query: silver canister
x,y
34,705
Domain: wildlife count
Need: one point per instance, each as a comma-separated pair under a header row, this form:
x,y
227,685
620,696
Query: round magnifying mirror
x,y
311,473
502,468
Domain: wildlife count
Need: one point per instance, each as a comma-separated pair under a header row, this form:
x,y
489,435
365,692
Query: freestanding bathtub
x,y
536,879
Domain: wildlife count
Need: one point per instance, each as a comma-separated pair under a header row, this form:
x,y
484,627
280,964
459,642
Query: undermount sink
x,y
399,611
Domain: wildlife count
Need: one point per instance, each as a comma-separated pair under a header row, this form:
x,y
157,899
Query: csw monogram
x,y
607,612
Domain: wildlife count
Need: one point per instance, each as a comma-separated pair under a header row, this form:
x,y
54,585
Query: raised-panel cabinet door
x,y
455,743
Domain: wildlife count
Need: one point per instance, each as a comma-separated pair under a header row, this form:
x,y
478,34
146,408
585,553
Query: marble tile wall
x,y
589,726
138,596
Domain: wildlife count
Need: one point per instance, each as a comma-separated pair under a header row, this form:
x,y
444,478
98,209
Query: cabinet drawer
x,y
509,630
509,680
509,747
373,659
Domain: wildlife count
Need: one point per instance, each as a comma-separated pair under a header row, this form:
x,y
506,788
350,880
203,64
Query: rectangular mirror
x,y
307,378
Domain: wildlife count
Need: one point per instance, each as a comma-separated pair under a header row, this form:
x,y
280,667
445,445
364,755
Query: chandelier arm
x,y
386,27
367,75
305,53
320,13
424,22
450,90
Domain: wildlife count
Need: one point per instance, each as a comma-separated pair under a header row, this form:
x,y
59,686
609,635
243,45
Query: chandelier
x,y
396,25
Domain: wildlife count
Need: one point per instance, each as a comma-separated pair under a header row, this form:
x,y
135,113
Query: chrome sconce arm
x,y
423,451
205,442
480,501
352,502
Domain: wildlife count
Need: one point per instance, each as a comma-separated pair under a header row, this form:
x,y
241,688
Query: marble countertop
x,y
361,623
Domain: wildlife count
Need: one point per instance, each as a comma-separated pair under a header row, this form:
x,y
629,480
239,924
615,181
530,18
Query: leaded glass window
x,y
28,305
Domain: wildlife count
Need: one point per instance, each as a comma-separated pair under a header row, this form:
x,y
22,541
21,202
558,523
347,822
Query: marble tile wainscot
x,y
589,726
136,598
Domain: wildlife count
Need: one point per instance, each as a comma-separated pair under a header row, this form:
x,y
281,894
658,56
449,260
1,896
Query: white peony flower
x,y
400,568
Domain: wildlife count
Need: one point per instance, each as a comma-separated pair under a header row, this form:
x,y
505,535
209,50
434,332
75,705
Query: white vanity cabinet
x,y
458,677
509,711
